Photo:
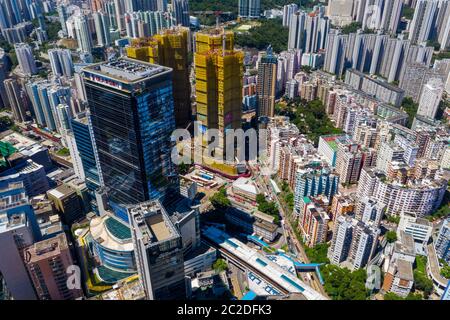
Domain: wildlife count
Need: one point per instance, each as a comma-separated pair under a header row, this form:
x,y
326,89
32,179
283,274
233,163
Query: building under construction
x,y
218,84
169,48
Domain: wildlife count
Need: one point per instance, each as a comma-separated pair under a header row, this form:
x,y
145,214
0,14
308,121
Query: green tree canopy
x,y
391,236
342,284
220,265
220,200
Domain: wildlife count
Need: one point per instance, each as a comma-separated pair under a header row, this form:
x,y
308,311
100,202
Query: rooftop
x,y
153,222
46,249
111,233
12,222
126,70
61,191
406,244
284,279
404,270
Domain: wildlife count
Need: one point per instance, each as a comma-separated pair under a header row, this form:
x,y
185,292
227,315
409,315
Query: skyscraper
x,y
288,11
249,8
382,15
132,115
159,251
442,244
17,100
61,62
169,48
267,84
181,12
342,239
83,135
369,210
430,98
218,75
102,28
62,13
25,58
45,96
83,33
422,24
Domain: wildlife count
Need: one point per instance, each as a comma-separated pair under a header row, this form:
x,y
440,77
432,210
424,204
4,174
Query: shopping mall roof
x,y
270,269
111,234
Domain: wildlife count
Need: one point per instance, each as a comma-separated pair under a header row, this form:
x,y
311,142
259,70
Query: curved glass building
x,y
112,244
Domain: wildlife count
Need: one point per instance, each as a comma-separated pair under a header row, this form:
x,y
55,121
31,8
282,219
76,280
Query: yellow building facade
x,y
169,48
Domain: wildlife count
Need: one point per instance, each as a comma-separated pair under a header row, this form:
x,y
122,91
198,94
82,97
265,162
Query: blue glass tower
x,y
82,133
132,115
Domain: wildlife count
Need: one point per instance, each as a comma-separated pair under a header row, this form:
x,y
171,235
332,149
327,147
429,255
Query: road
x,y
288,233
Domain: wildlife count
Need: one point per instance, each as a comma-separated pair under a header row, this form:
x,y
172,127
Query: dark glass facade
x,y
83,139
132,124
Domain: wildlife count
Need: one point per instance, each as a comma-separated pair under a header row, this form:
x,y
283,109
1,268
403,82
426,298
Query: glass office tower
x,y
132,115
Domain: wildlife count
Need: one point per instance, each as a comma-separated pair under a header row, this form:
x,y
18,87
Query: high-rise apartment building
x,y
102,28
370,210
45,96
47,263
159,251
288,11
62,14
83,33
342,239
364,243
354,242
313,222
314,180
430,98
249,8
382,15
373,53
25,58
169,48
442,244
418,197
180,10
267,84
17,99
61,62
351,158
131,107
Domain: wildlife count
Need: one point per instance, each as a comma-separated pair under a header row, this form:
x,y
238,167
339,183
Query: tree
x,y
445,272
410,107
410,296
421,280
64,152
444,209
220,200
267,207
351,28
312,120
393,219
220,265
391,236
183,168
270,32
342,284
5,123
318,253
